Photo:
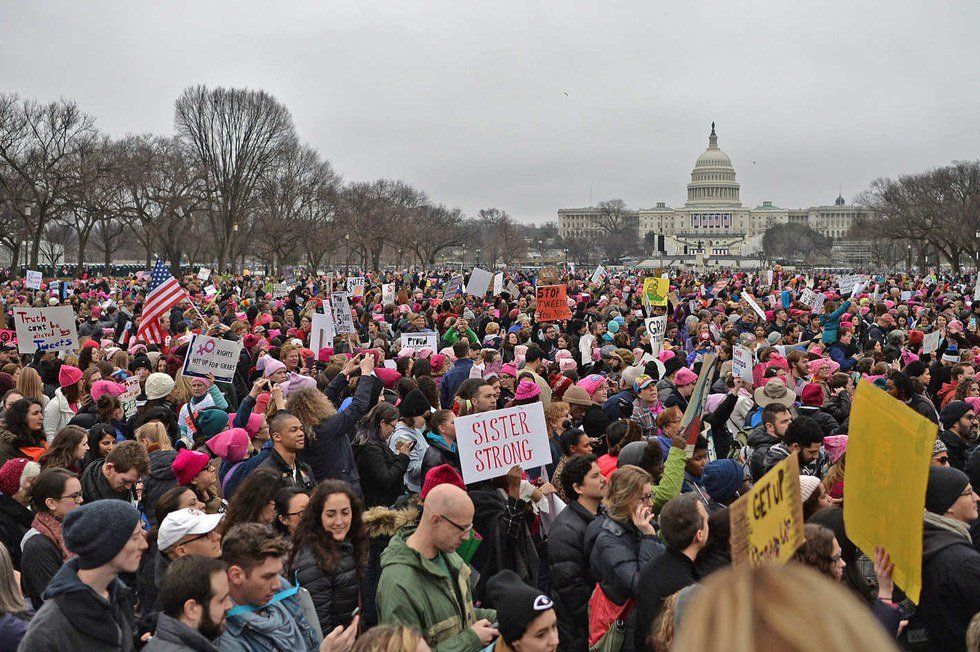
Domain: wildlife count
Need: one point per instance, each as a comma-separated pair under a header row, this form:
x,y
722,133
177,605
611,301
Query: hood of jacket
x,y
160,465
398,553
173,631
760,437
15,511
403,431
382,522
84,608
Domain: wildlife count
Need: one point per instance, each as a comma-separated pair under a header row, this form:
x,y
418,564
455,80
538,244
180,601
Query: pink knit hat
x,y
526,389
101,388
188,464
509,370
685,376
591,383
271,366
835,446
68,375
230,445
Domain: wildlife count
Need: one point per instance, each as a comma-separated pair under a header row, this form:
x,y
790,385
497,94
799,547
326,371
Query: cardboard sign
x,y
755,306
33,281
767,522
976,289
808,297
128,397
889,450
742,360
342,315
657,328
655,290
454,286
551,303
691,422
498,283
479,282
207,354
598,274
718,286
204,274
355,286
8,337
491,443
416,341
322,331
818,304
45,329
388,293
930,342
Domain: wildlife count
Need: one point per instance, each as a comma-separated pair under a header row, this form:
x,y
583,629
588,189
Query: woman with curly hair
x,y
330,549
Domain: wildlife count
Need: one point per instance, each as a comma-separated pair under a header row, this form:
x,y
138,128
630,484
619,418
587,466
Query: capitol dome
x,y
713,178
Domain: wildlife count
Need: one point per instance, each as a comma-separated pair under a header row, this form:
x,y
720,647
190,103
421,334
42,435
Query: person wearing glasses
x,y
382,469
54,494
959,432
116,476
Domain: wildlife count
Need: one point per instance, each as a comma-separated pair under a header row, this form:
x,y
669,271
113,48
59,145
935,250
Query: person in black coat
x,y
442,442
382,471
330,550
571,578
684,528
16,477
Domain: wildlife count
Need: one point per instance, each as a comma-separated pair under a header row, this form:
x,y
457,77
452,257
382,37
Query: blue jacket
x,y
831,323
839,355
281,626
452,380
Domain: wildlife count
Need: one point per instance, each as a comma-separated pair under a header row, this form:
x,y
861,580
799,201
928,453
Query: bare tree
x,y
433,229
371,212
617,230
238,137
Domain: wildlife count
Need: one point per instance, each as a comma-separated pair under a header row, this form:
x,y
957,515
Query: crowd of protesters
x,y
317,501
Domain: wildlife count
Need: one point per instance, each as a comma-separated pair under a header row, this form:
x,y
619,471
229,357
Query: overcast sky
x,y
534,106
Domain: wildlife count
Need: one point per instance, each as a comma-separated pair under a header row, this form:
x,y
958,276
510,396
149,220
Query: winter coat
x,y
86,417
501,521
827,423
74,617
328,450
842,355
57,414
959,450
950,586
416,592
661,578
9,448
96,487
382,473
760,441
12,630
839,406
301,476
571,578
924,406
437,454
172,635
40,562
381,524
452,380
413,472
335,596
831,323
160,480
15,521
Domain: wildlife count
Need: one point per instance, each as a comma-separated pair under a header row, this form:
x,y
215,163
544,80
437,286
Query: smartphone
x,y
355,613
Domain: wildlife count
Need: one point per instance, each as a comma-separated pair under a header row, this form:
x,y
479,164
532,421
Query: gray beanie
x,y
632,453
96,532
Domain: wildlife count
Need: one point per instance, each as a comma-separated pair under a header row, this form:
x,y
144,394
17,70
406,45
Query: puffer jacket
x,y
335,596
413,473
437,454
760,441
382,471
839,406
57,414
571,578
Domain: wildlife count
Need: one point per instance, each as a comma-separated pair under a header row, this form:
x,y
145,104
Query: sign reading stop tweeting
x,y
210,355
492,443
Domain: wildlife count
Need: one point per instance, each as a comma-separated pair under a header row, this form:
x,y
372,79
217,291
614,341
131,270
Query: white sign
x,y
491,443
769,275
420,340
355,286
906,295
808,297
45,329
598,274
479,282
210,291
498,283
585,344
279,290
818,304
33,280
322,331
742,363
454,286
204,274
755,306
128,397
342,315
976,289
388,293
930,342
656,328
207,354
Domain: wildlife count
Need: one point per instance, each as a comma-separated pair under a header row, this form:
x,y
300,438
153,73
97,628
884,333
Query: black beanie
x,y
946,485
415,404
97,531
517,604
953,412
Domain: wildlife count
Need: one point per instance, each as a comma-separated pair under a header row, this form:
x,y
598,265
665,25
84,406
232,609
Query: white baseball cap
x,y
180,523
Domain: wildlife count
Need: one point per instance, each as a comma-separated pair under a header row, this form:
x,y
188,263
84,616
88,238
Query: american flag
x,y
164,293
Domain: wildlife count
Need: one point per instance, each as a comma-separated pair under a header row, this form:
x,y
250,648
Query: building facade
x,y
713,222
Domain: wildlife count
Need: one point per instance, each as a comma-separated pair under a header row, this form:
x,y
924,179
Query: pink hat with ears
x,y
685,376
665,355
566,364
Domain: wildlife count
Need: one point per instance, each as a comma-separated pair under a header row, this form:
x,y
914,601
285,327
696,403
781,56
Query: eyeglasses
x,y
456,525
77,496
210,534
943,461
834,559
968,492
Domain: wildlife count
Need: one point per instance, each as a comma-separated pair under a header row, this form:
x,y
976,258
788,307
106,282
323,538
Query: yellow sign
x,y
655,290
889,449
767,522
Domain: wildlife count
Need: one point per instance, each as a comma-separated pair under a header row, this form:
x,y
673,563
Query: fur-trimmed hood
x,y
382,522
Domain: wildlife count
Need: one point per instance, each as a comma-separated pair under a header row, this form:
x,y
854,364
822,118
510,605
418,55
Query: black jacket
x,y
382,473
760,441
571,578
839,406
925,407
302,477
828,424
96,487
171,635
335,596
438,454
950,588
40,562
160,480
502,522
661,578
15,521
959,450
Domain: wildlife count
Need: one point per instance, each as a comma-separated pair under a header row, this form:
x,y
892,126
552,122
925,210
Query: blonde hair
x,y
755,609
388,638
181,393
154,432
29,384
624,491
662,632
120,360
311,407
554,409
11,599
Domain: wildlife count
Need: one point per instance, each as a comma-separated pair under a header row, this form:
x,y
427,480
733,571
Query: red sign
x,y
551,303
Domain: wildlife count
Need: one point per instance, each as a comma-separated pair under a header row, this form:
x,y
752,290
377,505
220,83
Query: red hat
x,y
250,340
11,473
442,474
915,338
559,384
68,375
388,377
188,464
325,354
91,344
436,361
812,395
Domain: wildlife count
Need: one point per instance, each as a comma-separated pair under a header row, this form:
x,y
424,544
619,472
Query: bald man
x,y
414,569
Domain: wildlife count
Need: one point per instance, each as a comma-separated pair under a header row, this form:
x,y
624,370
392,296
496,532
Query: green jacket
x,y
415,591
452,336
672,479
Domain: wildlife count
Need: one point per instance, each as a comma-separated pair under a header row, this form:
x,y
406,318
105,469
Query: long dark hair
x,y
283,499
61,452
325,549
369,427
95,435
16,421
252,496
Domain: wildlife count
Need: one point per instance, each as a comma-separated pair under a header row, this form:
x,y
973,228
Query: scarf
x,y
50,527
949,524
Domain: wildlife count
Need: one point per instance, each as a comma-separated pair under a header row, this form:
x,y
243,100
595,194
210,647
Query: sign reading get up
x,y
491,443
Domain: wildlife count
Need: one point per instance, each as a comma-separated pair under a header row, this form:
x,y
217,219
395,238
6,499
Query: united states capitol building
x,y
713,223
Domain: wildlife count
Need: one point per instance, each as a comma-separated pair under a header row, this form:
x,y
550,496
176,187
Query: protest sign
x,y
204,274
210,355
420,340
210,291
930,342
598,274
767,522
691,422
342,316
656,327
33,281
719,286
512,289
889,450
808,297
355,286
8,337
818,304
498,283
45,329
551,303
388,293
976,289
279,290
585,345
479,282
322,331
454,286
906,295
655,290
288,276
847,283
742,363
129,396
491,443
749,299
